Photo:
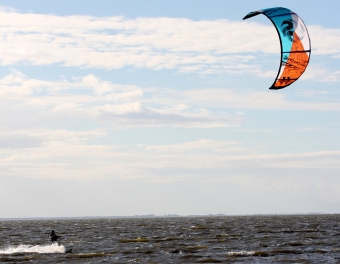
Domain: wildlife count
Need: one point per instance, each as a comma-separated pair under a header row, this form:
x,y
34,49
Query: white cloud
x,y
89,98
243,99
102,101
196,145
321,74
65,154
155,43
72,155
30,138
325,41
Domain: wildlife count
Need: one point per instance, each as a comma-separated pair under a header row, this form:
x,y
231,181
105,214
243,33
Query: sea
x,y
213,239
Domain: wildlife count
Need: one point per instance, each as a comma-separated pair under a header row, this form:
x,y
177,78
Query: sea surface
x,y
225,239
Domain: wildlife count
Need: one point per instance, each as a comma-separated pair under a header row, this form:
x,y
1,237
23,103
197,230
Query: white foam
x,y
241,253
53,248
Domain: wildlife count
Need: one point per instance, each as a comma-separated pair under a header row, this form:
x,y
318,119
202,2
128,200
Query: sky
x,y
123,108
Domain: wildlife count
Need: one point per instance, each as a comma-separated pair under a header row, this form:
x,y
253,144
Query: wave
x,y
53,248
241,253
248,253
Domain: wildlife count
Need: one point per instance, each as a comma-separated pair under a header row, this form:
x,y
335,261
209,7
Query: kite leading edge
x,y
295,44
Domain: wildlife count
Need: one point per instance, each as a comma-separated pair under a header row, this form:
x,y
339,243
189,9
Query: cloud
x,y
196,146
86,99
321,74
65,154
103,102
245,99
34,138
325,41
72,155
156,43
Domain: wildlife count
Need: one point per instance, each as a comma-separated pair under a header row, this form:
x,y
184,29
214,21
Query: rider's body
x,y
54,237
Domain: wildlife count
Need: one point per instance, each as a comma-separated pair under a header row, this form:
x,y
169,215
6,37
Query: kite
x,y
295,44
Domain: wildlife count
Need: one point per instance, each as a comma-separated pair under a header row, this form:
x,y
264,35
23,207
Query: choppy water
x,y
229,239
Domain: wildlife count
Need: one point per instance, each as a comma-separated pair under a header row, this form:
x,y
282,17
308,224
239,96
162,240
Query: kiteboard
x,y
68,250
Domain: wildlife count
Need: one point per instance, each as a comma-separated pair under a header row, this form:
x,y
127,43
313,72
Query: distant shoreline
x,y
151,216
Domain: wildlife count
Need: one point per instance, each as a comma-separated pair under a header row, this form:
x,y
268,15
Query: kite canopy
x,y
295,44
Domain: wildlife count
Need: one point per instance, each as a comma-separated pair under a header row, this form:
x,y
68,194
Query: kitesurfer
x,y
54,237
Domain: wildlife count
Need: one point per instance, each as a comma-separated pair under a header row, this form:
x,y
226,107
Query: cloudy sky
x,y
162,107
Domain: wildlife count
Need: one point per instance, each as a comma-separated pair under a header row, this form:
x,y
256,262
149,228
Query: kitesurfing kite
x,y
295,44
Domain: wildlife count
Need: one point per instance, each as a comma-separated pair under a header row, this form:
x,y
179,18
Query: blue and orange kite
x,y
295,44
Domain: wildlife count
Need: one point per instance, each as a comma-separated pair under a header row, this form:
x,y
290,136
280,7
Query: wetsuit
x,y
54,237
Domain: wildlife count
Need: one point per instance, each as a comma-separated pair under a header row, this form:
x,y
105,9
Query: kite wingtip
x,y
276,88
251,14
